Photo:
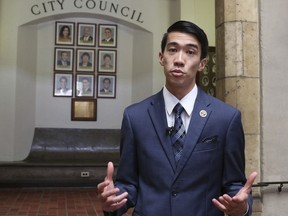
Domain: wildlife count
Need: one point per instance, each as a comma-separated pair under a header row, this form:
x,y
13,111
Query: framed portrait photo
x,y
64,33
63,85
107,61
83,109
86,34
63,59
85,60
107,35
84,85
106,86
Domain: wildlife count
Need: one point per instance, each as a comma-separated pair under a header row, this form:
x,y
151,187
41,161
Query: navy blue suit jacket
x,y
213,162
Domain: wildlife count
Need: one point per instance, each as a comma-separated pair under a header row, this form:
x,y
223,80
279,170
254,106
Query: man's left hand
x,y
237,205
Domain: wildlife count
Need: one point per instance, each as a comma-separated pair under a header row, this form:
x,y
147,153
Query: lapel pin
x,y
203,113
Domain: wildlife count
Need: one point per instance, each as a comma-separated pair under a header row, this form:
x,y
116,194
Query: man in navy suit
x,y
209,178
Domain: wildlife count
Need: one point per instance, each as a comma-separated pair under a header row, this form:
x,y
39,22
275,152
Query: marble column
x,y
238,74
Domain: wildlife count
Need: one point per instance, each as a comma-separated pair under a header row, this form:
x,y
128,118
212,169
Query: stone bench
x,y
64,157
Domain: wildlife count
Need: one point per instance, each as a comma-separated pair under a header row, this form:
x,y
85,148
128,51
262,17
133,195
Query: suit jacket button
x,y
174,193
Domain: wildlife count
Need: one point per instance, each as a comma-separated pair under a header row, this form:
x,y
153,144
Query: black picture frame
x,y
85,85
108,91
86,34
107,35
64,33
61,55
107,61
82,65
63,85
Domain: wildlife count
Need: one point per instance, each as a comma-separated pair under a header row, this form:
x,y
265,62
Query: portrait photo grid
x,y
85,60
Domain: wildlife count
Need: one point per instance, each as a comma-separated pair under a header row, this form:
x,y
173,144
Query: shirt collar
x,y
187,101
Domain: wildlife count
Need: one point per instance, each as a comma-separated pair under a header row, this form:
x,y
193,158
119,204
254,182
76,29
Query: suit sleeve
x,y
234,170
127,173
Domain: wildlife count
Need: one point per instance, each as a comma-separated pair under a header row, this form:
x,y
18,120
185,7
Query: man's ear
x,y
202,64
161,58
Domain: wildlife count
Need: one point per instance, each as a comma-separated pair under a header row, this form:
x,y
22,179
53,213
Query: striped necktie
x,y
178,135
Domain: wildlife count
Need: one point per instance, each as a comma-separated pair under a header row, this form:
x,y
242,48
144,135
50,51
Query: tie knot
x,y
178,109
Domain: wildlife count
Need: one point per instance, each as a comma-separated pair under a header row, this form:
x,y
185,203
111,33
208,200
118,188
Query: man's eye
x,y
190,52
172,50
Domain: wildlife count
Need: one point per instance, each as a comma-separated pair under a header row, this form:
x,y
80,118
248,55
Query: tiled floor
x,y
50,202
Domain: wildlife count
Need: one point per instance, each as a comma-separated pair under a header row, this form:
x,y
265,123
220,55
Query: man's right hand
x,y
107,192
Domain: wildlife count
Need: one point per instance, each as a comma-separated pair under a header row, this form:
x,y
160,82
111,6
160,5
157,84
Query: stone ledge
x,y
58,156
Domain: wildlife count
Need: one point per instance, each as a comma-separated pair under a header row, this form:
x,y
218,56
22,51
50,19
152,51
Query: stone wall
x,y
238,73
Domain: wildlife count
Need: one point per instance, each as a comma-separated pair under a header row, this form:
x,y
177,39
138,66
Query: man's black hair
x,y
189,28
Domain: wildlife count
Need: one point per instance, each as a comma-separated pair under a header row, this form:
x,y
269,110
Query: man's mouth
x,y
177,72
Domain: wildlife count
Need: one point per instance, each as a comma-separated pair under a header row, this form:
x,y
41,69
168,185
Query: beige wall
x,y
274,64
202,12
8,52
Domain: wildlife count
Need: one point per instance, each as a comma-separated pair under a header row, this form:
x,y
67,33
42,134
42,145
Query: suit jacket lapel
x,y
200,115
157,114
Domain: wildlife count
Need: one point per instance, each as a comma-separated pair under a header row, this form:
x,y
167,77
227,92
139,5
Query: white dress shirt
x,y
187,102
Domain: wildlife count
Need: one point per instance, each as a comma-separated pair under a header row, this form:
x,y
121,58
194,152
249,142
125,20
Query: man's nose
x,y
179,59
